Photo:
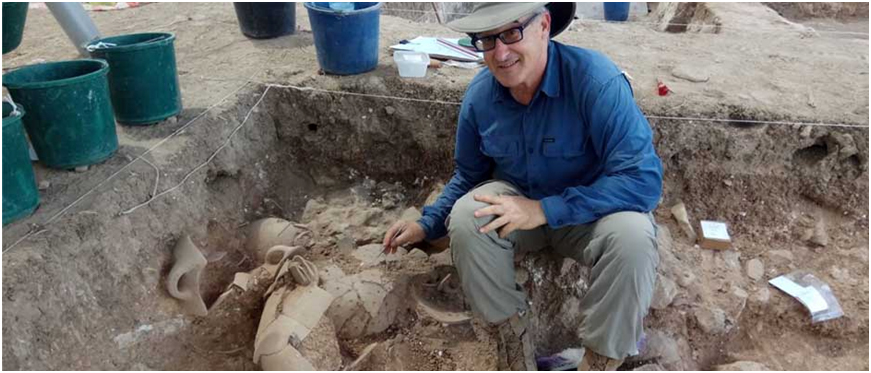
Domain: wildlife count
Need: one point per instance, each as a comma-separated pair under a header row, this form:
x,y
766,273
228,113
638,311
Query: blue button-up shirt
x,y
581,146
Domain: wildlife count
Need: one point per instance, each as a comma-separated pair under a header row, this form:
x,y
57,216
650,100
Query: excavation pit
x,y
348,164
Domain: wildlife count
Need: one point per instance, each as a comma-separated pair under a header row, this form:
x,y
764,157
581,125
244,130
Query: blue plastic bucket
x,y
618,12
346,36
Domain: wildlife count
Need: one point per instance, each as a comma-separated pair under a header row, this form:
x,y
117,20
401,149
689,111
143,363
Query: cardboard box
x,y
715,235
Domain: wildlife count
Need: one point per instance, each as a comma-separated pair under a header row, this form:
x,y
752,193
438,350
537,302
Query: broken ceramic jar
x,y
183,282
264,234
294,332
366,303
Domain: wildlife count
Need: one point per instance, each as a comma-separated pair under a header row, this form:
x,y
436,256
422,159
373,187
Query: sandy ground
x,y
765,73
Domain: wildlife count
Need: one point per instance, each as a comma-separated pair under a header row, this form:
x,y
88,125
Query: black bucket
x,y
266,20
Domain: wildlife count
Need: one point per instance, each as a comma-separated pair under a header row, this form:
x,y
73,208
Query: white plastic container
x,y
411,64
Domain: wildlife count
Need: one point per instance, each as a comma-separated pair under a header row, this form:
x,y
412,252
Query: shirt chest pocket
x,y
562,149
500,146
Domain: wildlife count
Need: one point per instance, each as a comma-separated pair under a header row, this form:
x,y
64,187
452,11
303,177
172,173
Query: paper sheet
x,y
433,48
715,230
809,296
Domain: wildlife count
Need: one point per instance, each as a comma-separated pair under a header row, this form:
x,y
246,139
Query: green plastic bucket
x,y
20,196
143,77
14,15
69,114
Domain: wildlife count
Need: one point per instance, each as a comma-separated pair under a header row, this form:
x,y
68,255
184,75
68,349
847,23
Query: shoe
x,y
514,342
595,362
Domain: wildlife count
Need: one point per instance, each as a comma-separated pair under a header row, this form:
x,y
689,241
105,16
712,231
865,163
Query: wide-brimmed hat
x,y
489,16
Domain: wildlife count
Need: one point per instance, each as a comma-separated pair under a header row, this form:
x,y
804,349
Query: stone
x,y
805,132
741,366
418,254
371,255
820,237
442,258
842,275
732,259
81,168
653,367
761,296
679,212
660,346
434,195
711,320
183,281
755,269
781,256
410,214
330,272
690,73
346,244
44,185
390,110
663,293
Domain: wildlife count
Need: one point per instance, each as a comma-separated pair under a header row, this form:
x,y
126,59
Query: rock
x,y
761,296
434,195
659,346
820,237
843,276
741,366
650,368
330,272
410,214
711,320
521,275
844,143
731,259
442,258
755,269
371,255
81,168
44,185
805,132
346,244
686,278
663,293
781,256
171,120
390,110
679,212
690,73
417,254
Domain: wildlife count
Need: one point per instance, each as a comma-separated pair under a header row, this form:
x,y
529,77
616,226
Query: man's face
x,y
517,63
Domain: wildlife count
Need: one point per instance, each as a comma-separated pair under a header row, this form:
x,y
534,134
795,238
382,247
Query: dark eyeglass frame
x,y
502,35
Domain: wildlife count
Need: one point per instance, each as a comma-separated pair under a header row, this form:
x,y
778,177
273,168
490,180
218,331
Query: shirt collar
x,y
550,83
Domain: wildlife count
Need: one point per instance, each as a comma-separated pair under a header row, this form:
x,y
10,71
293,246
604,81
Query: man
x,y
551,151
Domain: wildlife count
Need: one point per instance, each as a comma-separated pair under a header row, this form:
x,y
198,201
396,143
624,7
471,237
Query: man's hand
x,y
402,233
513,213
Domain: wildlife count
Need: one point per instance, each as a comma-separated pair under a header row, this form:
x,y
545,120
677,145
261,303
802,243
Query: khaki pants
x,y
620,249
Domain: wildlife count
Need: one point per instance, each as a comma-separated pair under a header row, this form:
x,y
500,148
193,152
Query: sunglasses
x,y
510,36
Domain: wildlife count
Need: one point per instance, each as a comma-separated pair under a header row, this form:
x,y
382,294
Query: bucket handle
x,y
100,45
15,111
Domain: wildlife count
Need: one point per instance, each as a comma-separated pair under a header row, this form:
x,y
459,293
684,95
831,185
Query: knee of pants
x,y
633,249
462,217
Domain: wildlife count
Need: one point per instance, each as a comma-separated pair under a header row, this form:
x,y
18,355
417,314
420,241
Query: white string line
x,y
582,20
842,125
116,173
687,119
206,162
